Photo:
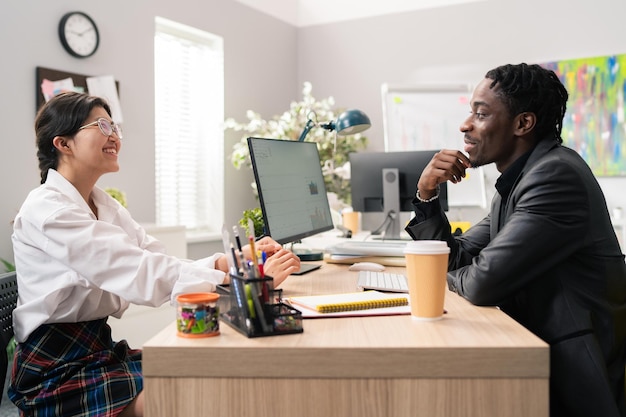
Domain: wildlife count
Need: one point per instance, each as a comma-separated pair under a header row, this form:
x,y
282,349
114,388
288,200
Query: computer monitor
x,y
291,188
387,182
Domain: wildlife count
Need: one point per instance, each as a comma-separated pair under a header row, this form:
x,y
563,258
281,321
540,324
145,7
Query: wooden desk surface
x,y
470,342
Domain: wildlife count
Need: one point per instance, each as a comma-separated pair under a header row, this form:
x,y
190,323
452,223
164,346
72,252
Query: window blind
x,y
189,112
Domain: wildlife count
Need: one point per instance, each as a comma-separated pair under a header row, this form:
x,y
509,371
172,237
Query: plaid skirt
x,y
74,369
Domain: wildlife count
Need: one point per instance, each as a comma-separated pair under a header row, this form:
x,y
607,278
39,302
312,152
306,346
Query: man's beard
x,y
477,162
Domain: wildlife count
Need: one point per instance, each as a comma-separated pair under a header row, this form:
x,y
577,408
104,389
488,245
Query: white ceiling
x,y
314,12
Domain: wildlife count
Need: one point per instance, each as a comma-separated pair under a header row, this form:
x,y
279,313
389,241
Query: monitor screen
x,y
291,188
377,177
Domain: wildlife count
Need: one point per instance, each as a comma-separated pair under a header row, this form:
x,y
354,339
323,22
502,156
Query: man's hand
x,y
446,165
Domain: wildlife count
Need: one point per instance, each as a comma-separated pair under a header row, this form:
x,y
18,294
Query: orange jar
x,y
197,314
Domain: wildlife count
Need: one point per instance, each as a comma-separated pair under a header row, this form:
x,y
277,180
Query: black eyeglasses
x,y
106,127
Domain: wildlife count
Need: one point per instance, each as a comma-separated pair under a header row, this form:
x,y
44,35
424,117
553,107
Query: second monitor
x,y
387,182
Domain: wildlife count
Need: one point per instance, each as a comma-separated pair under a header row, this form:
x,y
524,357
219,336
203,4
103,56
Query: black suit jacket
x,y
553,263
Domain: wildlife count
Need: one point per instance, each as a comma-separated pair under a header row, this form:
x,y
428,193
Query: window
x,y
189,138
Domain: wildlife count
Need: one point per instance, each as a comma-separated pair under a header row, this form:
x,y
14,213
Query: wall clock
x,y
79,34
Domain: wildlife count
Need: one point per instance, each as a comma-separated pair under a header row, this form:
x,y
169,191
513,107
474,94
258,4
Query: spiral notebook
x,y
362,303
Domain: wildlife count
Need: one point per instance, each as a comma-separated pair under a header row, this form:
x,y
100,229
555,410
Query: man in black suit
x,y
547,253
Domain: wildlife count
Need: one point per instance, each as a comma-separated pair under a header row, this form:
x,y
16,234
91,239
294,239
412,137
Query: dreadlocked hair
x,y
532,88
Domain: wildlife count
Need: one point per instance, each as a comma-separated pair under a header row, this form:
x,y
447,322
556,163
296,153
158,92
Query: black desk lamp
x,y
349,122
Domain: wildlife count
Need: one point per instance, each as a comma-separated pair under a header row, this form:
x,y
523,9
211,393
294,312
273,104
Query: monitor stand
x,y
381,232
307,255
304,268
391,203
384,238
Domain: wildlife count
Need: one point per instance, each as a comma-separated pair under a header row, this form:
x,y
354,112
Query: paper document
x,y
105,87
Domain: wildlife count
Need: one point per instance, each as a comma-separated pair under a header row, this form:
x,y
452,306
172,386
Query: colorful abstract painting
x,y
594,123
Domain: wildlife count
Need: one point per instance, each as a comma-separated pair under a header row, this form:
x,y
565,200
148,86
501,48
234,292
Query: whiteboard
x,y
425,117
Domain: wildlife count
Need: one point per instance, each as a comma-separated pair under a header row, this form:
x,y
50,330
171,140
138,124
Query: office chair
x,y
8,301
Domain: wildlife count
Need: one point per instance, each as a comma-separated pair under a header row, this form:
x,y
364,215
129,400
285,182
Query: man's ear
x,y
524,123
60,143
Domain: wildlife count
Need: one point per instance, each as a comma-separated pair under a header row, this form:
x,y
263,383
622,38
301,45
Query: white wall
x,y
260,66
456,44
266,62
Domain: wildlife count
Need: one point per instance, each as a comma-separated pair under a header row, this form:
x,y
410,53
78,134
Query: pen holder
x,y
254,308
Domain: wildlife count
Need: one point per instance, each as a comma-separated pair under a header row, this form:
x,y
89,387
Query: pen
x,y
264,284
243,308
243,269
236,233
226,242
263,257
234,255
255,303
250,300
251,270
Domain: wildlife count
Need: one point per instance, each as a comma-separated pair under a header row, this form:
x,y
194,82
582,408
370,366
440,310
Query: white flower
x,y
333,149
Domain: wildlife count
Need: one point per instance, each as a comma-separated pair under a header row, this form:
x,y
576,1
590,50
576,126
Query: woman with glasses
x,y
81,258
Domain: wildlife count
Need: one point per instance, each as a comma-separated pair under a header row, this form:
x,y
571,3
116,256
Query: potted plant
x,y
256,216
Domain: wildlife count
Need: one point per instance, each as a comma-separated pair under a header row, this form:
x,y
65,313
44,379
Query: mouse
x,y
366,266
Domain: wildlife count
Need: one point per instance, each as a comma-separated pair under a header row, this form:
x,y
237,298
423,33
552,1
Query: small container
x,y
197,314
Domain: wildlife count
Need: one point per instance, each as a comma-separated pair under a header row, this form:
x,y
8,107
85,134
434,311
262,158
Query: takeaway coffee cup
x,y
351,220
426,270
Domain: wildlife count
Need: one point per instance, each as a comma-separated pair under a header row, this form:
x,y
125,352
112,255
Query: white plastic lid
x,y
427,247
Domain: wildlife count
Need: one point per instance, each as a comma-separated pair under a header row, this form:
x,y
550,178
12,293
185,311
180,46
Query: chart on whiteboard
x,y
428,117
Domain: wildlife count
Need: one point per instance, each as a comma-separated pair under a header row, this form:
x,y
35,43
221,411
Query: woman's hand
x,y
267,245
280,265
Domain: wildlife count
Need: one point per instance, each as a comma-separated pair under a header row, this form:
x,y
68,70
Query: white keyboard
x,y
368,248
382,281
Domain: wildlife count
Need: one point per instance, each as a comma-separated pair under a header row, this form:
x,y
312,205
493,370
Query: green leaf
x,y
8,266
256,215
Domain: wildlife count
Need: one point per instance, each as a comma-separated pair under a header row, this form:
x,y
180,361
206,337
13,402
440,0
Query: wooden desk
x,y
475,362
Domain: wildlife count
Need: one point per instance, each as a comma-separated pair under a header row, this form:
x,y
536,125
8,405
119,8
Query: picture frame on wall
x,y
595,120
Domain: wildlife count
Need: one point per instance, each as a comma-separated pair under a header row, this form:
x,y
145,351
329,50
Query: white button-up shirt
x,y
72,266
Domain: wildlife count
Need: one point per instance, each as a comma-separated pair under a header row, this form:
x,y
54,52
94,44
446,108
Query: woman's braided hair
x,y
61,116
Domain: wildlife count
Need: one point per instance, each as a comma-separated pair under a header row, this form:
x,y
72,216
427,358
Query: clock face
x,y
79,34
